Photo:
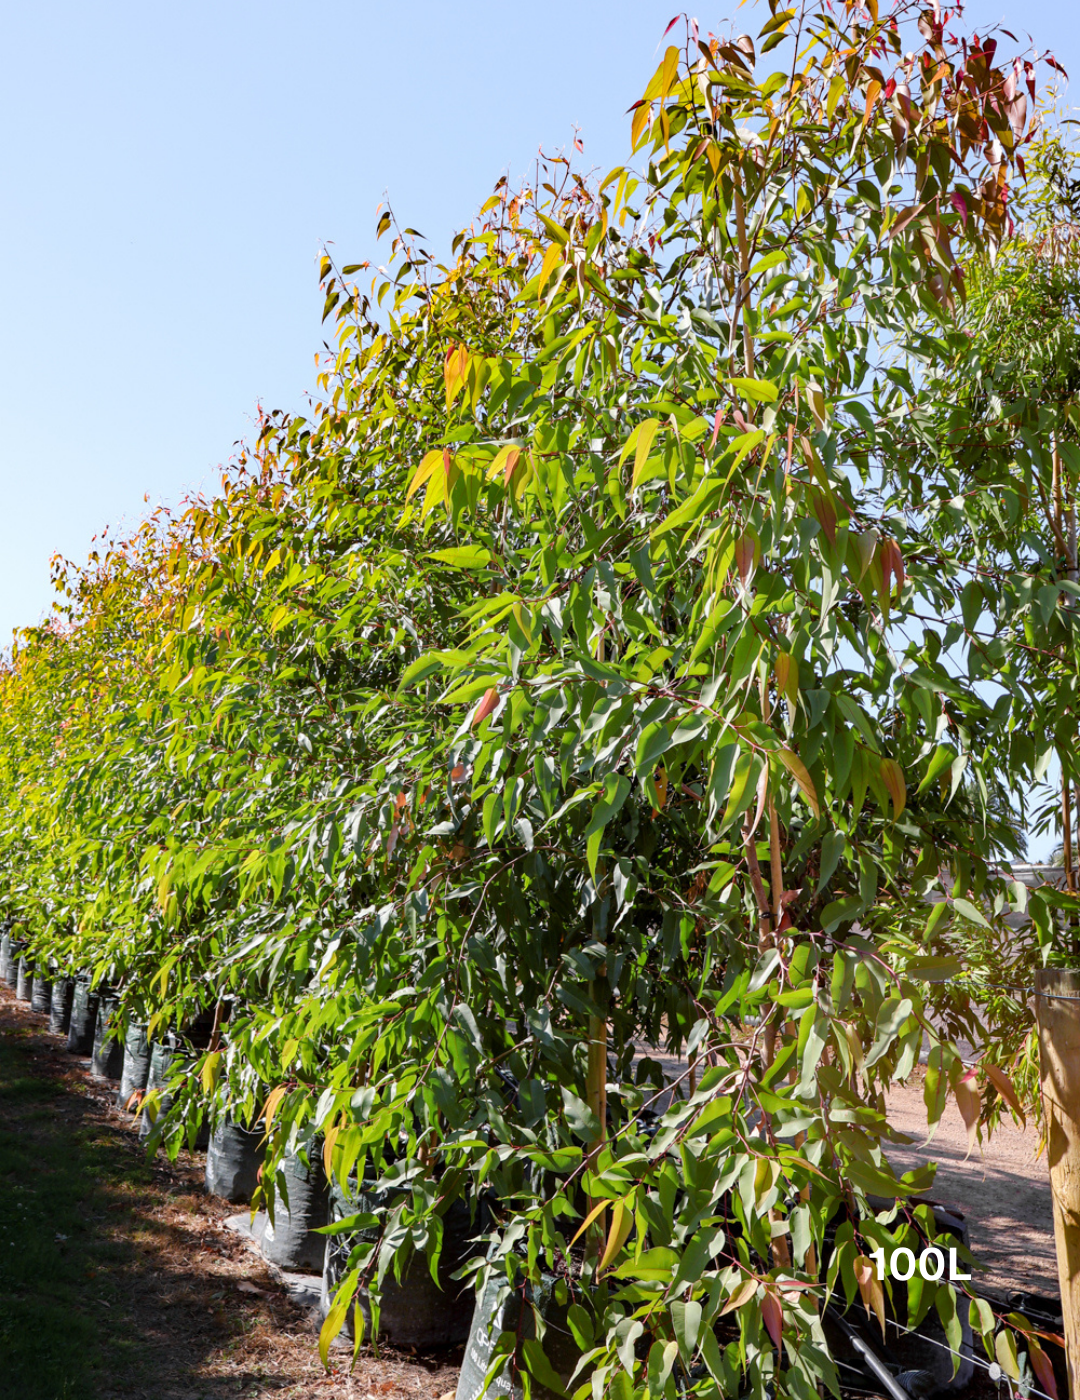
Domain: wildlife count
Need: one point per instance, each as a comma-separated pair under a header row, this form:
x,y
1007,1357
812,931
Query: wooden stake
x,y
596,1095
1059,1058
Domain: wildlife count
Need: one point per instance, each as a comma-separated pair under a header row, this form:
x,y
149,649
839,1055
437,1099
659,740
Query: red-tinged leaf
x,y
873,92
798,770
671,25
787,676
457,773
505,462
825,511
579,144
870,1289
747,554
892,566
487,703
892,775
1003,1084
968,1101
772,1314
1049,57
959,203
716,426
1041,1365
742,1294
391,845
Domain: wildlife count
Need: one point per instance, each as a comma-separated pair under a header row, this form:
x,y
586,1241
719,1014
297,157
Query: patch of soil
x,y
1003,1190
172,1304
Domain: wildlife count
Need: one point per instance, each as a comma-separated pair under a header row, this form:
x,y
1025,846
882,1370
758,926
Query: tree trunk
x,y
1058,1012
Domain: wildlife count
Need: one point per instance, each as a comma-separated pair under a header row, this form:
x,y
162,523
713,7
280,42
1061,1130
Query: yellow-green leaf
x,y
892,775
431,462
622,1222
797,768
742,1294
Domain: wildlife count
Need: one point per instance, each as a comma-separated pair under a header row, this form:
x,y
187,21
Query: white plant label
x,y
901,1265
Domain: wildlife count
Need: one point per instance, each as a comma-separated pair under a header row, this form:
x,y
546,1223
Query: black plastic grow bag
x,y
417,1311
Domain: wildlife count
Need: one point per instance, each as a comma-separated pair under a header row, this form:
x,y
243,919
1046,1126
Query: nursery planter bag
x,y
233,1159
289,1242
135,1070
513,1314
417,1311
84,1009
107,1057
15,951
9,960
162,1055
41,997
24,986
63,991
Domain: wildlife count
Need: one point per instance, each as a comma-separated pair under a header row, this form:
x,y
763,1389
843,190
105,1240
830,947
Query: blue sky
x,y
170,172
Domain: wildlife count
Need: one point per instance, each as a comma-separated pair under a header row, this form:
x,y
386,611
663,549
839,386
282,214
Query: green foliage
x,y
575,682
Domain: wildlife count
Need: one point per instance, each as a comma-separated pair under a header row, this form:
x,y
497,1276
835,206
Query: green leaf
x,y
540,1367
655,1265
969,912
758,390
581,1120
640,442
654,743
934,969
468,556
616,790
686,1322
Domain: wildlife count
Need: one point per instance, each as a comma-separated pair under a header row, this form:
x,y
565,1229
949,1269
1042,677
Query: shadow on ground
x,y
106,1275
118,1280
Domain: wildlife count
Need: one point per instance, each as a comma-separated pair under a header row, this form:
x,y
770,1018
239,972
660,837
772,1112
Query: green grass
x,y
66,1280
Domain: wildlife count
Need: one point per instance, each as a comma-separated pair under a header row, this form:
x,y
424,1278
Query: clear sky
x,y
170,172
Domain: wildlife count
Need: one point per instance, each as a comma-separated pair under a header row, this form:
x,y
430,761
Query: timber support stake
x,y
1059,1061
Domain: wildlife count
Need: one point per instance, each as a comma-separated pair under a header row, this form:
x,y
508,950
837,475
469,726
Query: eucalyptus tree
x,y
669,772
1000,454
567,685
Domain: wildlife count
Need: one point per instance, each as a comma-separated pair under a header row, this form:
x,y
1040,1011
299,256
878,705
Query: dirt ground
x,y
1003,1191
150,1294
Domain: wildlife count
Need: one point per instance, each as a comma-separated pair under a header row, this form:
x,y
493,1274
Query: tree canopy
x,y
598,669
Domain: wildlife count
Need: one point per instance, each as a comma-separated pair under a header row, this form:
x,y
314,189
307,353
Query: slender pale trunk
x,y
1065,529
596,1063
1057,1007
